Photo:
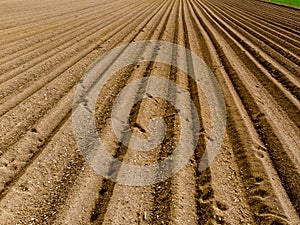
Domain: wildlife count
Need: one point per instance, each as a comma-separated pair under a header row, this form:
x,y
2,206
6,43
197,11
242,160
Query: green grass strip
x,y
288,2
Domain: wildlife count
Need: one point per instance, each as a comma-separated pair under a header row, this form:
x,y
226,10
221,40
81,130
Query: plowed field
x,y
253,50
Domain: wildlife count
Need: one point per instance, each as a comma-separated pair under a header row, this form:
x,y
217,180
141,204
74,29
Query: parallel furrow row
x,y
252,47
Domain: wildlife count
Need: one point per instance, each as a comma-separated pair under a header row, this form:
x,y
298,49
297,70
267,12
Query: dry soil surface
x,y
253,49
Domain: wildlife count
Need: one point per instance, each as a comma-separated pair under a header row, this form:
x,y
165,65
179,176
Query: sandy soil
x,y
253,48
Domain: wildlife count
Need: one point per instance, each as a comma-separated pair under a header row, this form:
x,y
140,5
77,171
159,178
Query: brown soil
x,y
253,48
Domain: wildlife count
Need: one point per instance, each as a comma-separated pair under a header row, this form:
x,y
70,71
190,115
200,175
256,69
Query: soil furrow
x,y
138,30
259,34
50,95
268,19
47,17
36,42
239,145
252,48
274,70
103,210
261,129
63,47
275,32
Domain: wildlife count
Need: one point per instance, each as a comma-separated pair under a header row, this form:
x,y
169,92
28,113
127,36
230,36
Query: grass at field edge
x,y
287,2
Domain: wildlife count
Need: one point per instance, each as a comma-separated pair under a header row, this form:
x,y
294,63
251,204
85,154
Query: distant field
x,y
288,2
